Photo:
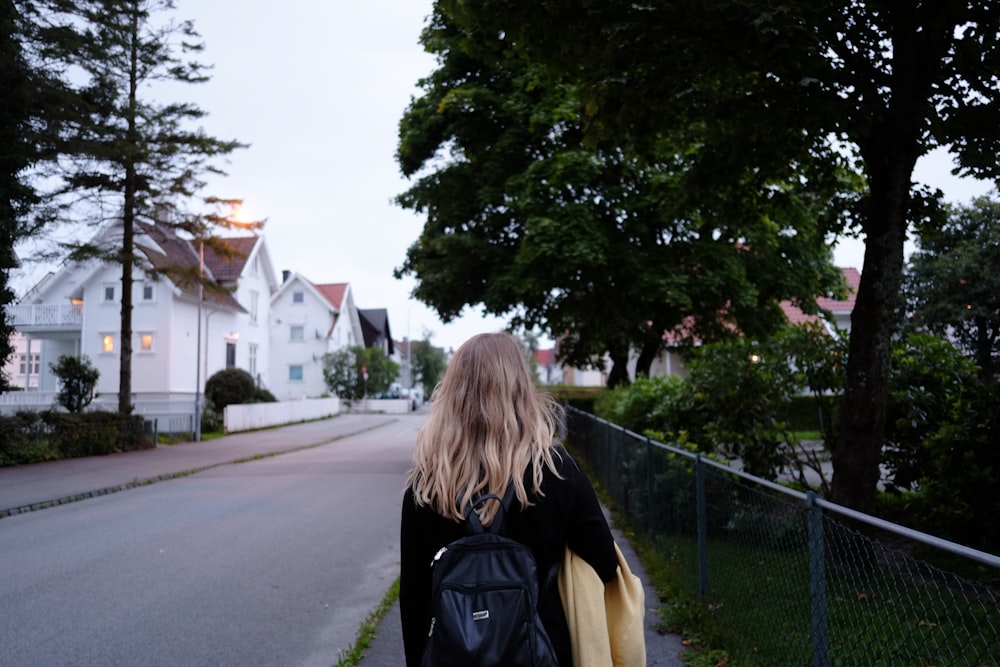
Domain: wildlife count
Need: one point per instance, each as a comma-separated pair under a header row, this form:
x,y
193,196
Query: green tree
x,y
429,363
344,372
77,379
133,156
788,83
32,105
946,289
601,248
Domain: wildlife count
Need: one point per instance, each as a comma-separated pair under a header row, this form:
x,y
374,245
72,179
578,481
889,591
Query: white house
x,y
78,311
307,322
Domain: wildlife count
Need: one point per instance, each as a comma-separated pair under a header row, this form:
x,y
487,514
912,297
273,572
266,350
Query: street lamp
x,y
197,371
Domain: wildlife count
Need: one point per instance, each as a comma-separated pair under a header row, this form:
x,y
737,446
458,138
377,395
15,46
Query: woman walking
x,y
490,428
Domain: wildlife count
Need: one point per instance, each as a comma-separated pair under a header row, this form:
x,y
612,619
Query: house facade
x,y
181,335
308,321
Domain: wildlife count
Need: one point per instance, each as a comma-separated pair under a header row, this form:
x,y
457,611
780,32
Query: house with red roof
x,y
835,315
310,320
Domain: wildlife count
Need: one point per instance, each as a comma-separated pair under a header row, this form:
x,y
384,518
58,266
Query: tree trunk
x,y
619,369
128,230
647,355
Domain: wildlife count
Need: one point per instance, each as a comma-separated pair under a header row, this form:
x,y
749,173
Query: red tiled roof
x,y
853,278
333,293
545,357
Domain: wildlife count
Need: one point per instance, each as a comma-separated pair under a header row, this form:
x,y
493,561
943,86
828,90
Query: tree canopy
x,y
789,83
599,246
948,289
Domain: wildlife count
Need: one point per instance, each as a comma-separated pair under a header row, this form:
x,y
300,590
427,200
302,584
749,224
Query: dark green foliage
x,y
962,502
230,386
738,398
428,364
581,398
927,390
597,245
765,87
35,437
77,379
343,372
946,289
211,418
261,395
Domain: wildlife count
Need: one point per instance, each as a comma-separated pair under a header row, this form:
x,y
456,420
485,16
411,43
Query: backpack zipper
x,y
438,555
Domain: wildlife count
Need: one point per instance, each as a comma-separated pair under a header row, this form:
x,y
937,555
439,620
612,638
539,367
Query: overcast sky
x,y
317,88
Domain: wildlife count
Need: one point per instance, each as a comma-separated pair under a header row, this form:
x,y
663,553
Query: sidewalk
x,y
34,487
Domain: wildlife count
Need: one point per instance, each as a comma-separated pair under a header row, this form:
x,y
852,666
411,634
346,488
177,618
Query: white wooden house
x,y
77,311
309,320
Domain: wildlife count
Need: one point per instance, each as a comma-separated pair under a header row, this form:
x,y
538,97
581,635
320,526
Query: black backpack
x,y
484,599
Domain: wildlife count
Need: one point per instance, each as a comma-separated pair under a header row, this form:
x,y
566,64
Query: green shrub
x,y
261,395
25,440
211,419
31,437
77,379
581,398
230,386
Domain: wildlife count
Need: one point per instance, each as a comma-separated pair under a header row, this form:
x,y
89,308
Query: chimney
x,y
285,275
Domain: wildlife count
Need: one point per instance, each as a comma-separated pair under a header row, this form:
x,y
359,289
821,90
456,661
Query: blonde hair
x,y
488,422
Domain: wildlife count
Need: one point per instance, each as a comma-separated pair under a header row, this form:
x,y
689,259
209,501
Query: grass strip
x,y
366,633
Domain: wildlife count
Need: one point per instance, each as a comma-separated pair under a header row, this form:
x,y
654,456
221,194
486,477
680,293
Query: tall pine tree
x,y
133,158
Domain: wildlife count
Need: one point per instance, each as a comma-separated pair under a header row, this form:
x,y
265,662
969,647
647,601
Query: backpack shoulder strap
x,y
472,517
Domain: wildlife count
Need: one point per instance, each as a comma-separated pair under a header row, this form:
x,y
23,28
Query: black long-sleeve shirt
x,y
567,514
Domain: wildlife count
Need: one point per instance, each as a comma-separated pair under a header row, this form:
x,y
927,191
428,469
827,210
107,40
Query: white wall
x,y
262,415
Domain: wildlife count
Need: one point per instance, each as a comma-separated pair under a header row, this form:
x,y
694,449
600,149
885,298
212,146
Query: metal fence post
x,y
649,485
702,516
817,583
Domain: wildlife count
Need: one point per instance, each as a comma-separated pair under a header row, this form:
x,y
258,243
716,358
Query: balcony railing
x,y
66,315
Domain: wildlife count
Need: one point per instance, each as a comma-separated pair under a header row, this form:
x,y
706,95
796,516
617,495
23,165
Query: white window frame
x,y
302,373
107,297
152,342
297,333
252,359
254,305
107,337
148,285
298,297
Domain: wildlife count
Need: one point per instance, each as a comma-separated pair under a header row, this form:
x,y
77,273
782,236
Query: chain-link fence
x,y
792,579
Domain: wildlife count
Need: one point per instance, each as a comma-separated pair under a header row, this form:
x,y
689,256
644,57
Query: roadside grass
x,y
757,610
366,633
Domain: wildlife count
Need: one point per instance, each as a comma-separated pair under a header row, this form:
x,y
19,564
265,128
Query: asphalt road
x,y
269,562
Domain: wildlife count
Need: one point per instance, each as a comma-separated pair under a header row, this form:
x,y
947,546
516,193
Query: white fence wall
x,y
390,406
262,415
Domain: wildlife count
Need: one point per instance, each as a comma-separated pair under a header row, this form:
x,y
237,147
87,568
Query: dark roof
x,y
375,327
179,261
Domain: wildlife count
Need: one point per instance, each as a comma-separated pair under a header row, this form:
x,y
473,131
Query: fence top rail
x,y
952,547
